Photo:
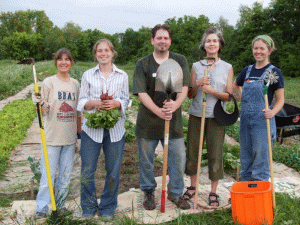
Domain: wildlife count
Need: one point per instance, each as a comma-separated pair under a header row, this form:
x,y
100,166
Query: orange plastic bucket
x,y
251,202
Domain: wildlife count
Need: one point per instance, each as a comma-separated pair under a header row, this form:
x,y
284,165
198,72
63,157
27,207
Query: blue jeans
x,y
254,146
63,158
176,165
90,151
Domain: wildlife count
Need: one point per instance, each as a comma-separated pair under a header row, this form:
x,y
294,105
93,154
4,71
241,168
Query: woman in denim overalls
x,y
253,129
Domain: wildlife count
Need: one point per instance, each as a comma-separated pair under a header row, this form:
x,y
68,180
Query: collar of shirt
x,y
96,69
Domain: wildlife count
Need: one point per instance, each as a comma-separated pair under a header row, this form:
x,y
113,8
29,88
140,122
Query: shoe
x,y
216,200
180,202
187,195
40,215
149,201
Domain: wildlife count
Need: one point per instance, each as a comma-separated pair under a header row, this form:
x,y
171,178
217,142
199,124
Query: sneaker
x,y
149,201
40,215
180,202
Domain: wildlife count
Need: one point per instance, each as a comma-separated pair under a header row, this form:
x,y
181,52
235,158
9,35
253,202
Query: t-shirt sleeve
x,y
139,79
186,72
241,77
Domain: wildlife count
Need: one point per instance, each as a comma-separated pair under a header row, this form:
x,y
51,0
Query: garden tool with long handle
x,y
201,131
169,77
270,78
40,117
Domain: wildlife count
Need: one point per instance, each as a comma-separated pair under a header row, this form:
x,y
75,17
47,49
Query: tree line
x,y
30,33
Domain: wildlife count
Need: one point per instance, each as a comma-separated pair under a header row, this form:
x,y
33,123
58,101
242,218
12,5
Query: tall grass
x,y
292,90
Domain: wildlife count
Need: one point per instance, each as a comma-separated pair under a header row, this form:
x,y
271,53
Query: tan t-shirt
x,y
60,122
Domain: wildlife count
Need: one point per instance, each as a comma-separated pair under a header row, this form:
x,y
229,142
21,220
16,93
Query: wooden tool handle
x,y
165,166
200,143
270,152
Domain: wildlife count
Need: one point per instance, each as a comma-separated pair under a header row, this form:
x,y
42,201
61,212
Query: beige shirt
x,y
60,122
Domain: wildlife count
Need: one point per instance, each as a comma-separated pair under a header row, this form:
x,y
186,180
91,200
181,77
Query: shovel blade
x,y
169,77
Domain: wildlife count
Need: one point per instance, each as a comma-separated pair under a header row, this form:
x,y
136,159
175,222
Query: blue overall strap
x,y
248,72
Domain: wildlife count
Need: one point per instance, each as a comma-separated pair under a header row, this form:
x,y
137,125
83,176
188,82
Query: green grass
x,y
289,156
14,77
129,69
6,200
15,118
292,87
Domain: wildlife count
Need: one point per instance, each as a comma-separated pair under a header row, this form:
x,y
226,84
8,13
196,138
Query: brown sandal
x,y
187,195
213,201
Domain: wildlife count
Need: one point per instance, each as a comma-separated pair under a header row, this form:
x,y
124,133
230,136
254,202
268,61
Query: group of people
x,y
63,101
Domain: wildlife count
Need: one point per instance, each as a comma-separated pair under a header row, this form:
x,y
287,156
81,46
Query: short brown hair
x,y
212,30
158,27
110,45
59,54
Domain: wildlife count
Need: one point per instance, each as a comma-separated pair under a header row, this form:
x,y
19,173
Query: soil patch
x,y
129,170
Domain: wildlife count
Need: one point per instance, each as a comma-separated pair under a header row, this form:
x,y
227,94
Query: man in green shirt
x,y
153,111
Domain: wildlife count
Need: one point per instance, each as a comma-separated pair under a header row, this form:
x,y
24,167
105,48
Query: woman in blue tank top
x,y
253,129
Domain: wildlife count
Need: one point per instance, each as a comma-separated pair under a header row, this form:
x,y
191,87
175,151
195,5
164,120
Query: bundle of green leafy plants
x,y
105,119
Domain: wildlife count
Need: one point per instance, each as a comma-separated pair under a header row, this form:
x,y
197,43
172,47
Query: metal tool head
x,y
27,61
271,77
206,63
169,77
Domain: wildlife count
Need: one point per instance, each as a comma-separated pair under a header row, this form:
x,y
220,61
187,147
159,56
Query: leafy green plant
x,y
135,101
130,131
233,131
15,118
186,104
35,166
231,158
105,119
290,156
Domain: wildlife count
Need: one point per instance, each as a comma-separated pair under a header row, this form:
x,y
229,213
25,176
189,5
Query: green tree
x,y
228,31
72,34
21,45
28,21
53,39
186,35
130,44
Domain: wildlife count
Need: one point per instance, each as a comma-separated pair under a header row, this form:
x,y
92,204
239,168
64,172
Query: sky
x,y
115,16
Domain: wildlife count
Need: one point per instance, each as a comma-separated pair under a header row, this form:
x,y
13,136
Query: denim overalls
x,y
253,129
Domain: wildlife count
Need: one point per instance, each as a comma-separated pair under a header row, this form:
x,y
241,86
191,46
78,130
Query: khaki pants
x,y
214,134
